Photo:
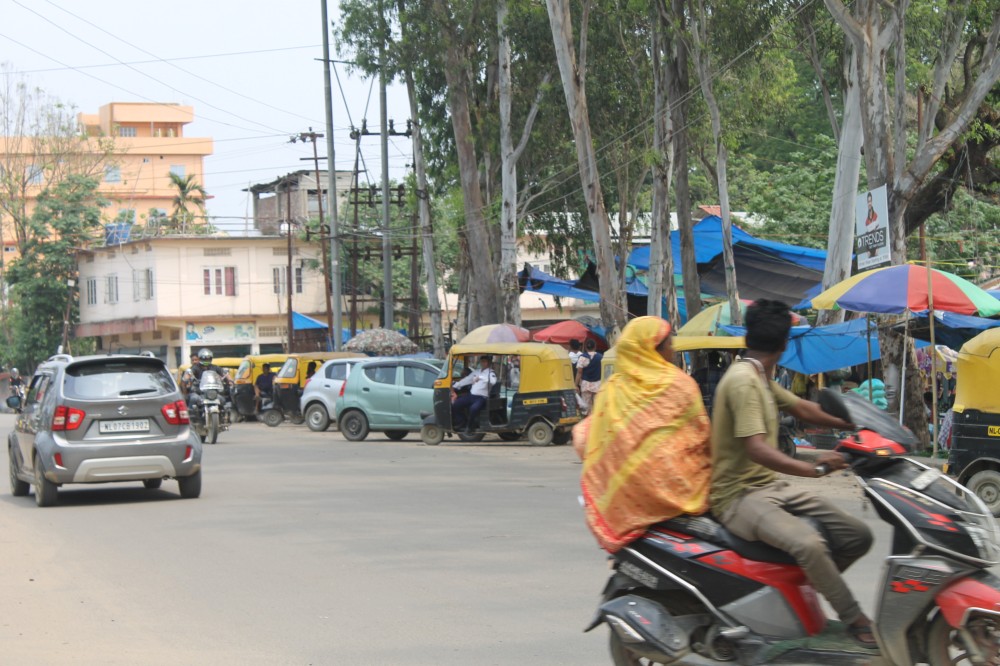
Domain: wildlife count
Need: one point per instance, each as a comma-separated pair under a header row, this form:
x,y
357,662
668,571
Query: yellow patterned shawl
x,y
645,447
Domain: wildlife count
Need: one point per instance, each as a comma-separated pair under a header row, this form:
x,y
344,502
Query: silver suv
x,y
96,419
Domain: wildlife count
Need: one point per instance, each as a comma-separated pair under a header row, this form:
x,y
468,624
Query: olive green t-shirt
x,y
743,406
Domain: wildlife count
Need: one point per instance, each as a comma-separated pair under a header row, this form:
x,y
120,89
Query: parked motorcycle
x,y
209,411
690,592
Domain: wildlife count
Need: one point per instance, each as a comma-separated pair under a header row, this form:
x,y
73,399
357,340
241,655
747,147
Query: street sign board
x,y
871,224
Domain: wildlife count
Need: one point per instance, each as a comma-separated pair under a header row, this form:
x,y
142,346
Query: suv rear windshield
x,y
117,379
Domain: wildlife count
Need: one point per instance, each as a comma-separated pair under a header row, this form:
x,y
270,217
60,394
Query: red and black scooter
x,y
689,592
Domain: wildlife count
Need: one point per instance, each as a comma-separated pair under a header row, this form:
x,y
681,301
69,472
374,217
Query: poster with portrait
x,y
211,333
871,235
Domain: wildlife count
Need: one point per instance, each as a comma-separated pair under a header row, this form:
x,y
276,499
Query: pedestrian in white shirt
x,y
465,408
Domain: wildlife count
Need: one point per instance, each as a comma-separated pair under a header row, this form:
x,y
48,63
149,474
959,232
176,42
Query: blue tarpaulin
x,y
300,322
708,245
950,329
827,348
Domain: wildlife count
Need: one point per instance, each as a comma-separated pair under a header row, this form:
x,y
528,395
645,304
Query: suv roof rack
x,y
147,354
61,357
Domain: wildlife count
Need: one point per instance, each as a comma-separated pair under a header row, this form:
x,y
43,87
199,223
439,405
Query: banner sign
x,y
871,223
219,333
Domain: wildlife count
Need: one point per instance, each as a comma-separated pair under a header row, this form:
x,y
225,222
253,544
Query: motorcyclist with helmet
x,y
16,383
192,377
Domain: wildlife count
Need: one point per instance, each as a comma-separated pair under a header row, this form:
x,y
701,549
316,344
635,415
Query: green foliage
x,y
67,217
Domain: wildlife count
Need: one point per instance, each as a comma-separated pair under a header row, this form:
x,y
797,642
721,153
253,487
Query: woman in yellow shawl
x,y
645,447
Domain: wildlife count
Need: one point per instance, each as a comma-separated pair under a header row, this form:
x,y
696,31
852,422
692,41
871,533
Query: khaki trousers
x,y
772,514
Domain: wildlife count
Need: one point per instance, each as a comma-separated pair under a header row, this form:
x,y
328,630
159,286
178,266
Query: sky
x,y
251,69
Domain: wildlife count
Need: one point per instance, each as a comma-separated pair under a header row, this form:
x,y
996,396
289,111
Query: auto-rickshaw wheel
x,y
510,436
562,437
432,435
471,436
540,433
272,417
986,484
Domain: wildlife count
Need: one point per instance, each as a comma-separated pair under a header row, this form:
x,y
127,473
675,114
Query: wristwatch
x,y
822,469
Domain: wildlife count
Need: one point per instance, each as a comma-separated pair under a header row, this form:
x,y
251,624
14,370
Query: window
x,y
33,174
279,275
91,291
111,289
126,131
382,374
337,371
142,284
36,392
112,174
219,280
418,377
114,379
178,170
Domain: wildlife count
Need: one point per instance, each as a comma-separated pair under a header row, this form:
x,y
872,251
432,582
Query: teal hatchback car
x,y
387,395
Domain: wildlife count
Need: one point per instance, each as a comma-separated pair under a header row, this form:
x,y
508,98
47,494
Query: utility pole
x,y
331,185
290,280
313,136
387,294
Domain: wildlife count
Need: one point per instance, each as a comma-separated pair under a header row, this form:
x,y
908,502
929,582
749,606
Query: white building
x,y
174,294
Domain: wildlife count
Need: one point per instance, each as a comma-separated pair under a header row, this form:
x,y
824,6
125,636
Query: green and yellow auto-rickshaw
x,y
974,459
534,396
244,396
290,381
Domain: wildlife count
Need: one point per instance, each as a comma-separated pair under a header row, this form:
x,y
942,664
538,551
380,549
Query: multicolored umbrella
x,y
711,320
565,331
381,342
496,333
896,289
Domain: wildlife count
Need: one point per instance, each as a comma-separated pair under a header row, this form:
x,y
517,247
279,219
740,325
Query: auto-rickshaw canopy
x,y
978,369
294,369
544,367
253,365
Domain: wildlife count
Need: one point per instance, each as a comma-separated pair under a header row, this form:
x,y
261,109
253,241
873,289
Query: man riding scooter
x,y
748,498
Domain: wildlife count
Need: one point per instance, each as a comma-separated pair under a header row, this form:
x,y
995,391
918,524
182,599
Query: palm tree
x,y
188,192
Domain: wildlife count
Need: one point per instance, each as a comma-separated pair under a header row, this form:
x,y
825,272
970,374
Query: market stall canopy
x,y
381,342
564,331
827,348
712,319
896,289
496,333
950,329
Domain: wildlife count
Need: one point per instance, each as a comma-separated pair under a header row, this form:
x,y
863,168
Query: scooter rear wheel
x,y
945,646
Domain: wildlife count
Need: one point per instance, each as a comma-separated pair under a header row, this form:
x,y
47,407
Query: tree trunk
x,y
679,93
661,260
484,296
613,310
840,241
426,228
704,66
510,292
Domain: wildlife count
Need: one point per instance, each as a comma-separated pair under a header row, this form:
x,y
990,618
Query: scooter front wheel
x,y
946,646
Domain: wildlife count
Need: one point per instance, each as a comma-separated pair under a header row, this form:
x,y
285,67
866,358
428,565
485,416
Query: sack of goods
x,y
877,395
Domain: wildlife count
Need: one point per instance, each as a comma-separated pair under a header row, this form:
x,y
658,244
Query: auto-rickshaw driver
x,y
465,409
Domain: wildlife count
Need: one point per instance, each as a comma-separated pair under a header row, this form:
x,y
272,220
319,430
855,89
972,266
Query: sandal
x,y
856,633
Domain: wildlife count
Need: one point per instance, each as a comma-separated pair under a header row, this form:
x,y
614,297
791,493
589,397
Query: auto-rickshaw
x,y
974,459
230,363
534,396
290,381
682,344
244,396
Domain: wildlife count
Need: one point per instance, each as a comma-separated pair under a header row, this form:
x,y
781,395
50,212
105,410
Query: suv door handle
x,y
407,392
365,390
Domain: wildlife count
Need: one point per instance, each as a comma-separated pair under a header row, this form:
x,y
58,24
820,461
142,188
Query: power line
x,y
178,67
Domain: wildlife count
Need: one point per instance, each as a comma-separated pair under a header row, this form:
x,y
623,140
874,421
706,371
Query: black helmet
x,y
205,356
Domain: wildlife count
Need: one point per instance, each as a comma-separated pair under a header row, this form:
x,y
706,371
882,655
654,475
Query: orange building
x,y
149,145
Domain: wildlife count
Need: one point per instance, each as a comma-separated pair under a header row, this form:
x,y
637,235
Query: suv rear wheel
x,y
46,492
190,486
18,488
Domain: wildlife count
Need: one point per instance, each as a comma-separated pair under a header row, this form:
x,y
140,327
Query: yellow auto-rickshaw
x,y
681,344
974,459
249,370
533,397
230,363
290,381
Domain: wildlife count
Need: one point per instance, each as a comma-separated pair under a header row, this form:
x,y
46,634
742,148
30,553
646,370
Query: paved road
x,y
307,549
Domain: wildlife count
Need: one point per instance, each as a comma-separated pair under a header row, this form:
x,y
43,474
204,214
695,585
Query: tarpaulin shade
x,y
950,329
761,274
301,322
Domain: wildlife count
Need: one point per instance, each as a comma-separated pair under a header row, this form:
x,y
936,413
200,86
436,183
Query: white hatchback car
x,y
319,398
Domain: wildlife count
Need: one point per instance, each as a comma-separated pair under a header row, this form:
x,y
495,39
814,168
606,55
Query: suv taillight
x,y
67,418
176,413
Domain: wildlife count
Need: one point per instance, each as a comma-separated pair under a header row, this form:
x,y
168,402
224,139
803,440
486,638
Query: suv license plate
x,y
129,425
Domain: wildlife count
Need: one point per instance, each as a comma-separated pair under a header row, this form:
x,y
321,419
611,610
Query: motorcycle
x,y
209,411
688,592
